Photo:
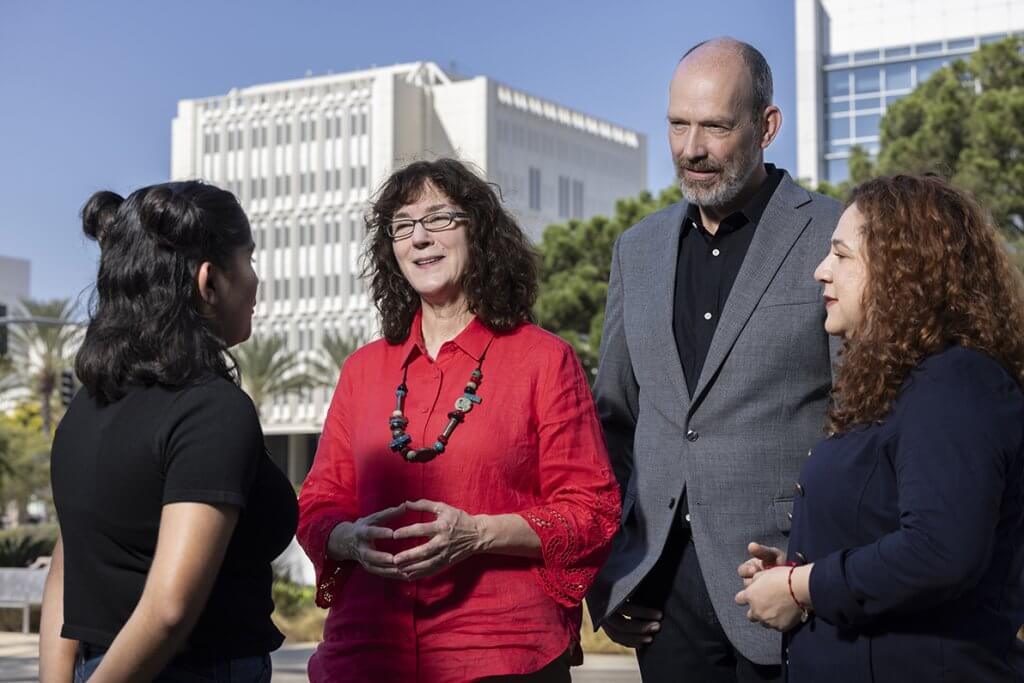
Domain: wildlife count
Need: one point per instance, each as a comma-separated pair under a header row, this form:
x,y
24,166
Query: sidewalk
x,y
18,653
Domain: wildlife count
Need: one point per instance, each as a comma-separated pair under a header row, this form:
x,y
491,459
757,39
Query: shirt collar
x,y
752,211
473,340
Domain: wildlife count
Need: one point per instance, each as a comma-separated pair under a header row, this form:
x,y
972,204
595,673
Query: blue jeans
x,y
242,670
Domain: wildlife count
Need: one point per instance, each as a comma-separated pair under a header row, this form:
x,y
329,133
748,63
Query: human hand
x,y
633,625
769,601
761,557
453,536
354,541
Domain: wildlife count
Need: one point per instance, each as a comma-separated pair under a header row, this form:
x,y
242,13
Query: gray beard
x,y
723,193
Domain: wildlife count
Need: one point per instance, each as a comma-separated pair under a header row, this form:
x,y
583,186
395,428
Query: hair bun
x,y
99,213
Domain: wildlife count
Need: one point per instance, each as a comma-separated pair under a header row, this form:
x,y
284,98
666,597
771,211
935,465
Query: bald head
x,y
737,59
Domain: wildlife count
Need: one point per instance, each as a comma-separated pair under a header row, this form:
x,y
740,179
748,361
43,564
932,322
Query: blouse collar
x,y
473,340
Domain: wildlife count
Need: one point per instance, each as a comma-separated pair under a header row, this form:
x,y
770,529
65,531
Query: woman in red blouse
x,y
461,500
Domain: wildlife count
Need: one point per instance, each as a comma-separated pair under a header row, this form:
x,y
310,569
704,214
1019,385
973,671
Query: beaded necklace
x,y
463,404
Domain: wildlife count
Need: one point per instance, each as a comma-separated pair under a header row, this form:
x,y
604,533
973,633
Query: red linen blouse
x,y
532,447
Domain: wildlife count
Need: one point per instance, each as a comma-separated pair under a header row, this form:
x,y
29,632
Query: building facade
x,y
305,156
854,58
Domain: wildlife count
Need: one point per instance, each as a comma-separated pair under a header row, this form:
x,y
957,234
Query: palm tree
x,y
336,348
42,350
268,369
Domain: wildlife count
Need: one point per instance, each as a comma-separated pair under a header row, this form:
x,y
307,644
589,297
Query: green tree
x,y
575,260
268,369
41,351
335,348
24,456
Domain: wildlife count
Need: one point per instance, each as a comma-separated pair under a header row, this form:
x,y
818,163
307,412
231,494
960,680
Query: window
x,y
867,104
929,48
563,197
867,80
897,77
534,189
577,199
926,67
833,107
867,125
866,56
838,128
902,51
837,59
838,83
961,44
354,231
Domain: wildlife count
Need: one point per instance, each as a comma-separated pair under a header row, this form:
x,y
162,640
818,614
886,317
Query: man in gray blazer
x,y
714,375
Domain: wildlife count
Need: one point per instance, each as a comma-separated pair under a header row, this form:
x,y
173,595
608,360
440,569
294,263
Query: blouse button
x,y
799,489
692,435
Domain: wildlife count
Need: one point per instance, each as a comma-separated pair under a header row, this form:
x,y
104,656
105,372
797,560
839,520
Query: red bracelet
x,y
789,580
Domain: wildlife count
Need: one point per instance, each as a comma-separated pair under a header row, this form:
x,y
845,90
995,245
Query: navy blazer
x,y
915,527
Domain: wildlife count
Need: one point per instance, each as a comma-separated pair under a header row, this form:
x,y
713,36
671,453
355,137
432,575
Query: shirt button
x,y
789,516
799,489
801,559
707,316
687,515
715,252
692,435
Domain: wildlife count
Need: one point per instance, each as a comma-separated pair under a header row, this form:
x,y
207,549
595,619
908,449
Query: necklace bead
x,y
400,442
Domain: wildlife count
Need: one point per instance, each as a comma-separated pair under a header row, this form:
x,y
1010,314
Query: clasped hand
x,y
766,591
451,537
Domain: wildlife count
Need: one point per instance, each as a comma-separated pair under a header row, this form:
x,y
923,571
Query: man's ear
x,y
205,283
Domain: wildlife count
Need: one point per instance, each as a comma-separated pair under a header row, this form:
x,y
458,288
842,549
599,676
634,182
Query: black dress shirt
x,y
705,271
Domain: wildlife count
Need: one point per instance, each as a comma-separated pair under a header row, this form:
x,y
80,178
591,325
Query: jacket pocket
x,y
782,510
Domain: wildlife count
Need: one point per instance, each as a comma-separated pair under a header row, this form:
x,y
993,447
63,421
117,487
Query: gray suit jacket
x,y
759,404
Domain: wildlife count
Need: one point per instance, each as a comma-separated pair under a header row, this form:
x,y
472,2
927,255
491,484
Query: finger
x,y
387,573
634,611
421,530
422,570
749,568
741,598
750,616
373,533
424,505
632,626
627,639
386,513
377,558
431,548
765,553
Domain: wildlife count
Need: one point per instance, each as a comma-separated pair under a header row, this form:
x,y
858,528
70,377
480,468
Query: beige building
x,y
305,156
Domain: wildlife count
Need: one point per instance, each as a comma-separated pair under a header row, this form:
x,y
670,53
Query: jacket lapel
x,y
780,226
661,262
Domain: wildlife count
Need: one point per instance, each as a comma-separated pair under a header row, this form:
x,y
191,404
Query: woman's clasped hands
x,y
771,588
452,536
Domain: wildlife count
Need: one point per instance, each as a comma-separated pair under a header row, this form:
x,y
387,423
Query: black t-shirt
x,y
113,469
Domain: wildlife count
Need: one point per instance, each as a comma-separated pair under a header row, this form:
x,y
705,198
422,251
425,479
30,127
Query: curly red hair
x,y
937,275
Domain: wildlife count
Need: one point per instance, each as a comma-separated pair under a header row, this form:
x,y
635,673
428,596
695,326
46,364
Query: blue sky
x,y
88,89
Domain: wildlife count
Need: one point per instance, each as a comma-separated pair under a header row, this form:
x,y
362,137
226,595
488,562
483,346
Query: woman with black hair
x,y
170,510
461,499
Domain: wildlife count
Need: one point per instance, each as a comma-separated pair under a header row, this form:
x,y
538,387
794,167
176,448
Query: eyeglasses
x,y
401,228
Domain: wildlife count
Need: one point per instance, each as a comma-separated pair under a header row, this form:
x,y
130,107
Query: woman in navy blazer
x,y
907,547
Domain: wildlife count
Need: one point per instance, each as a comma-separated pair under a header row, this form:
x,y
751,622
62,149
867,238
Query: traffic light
x,y
3,330
67,387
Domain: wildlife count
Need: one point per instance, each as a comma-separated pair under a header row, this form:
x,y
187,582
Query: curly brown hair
x,y
500,282
937,275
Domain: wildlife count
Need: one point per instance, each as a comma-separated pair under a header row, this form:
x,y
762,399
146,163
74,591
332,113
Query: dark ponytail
x,y
98,214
